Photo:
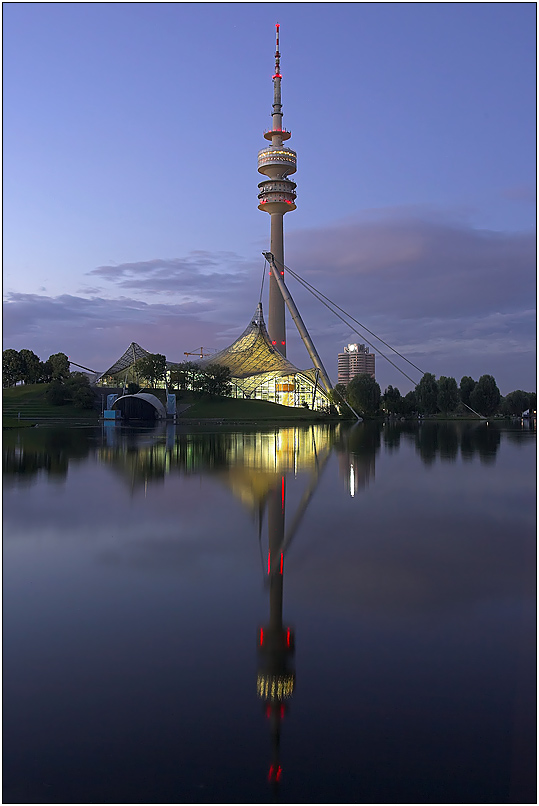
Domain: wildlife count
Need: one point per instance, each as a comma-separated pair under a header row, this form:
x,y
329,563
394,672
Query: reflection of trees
x,y
249,460
392,435
43,449
190,453
448,441
487,440
520,434
467,448
426,441
150,454
359,445
444,439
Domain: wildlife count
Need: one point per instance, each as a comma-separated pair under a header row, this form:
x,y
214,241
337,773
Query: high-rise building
x,y
277,196
355,360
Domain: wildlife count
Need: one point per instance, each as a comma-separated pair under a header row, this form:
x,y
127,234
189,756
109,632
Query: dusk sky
x,y
131,133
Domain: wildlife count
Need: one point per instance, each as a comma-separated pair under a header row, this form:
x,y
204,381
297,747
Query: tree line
x,y
64,387
27,367
434,396
213,379
430,396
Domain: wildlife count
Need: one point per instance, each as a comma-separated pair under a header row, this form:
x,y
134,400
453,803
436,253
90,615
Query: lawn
x,y
30,401
256,410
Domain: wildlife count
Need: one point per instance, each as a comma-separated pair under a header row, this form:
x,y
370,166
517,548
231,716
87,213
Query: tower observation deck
x,y
277,196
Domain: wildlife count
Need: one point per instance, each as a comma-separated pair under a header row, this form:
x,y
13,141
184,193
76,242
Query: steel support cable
x,y
312,288
322,299
263,278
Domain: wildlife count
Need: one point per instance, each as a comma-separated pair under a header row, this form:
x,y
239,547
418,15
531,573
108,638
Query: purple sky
x,y
130,185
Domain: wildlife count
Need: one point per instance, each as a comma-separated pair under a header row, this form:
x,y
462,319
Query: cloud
x,y
196,275
454,299
520,193
401,264
98,330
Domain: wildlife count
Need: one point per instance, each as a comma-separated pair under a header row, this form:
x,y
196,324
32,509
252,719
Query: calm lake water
x,y
387,657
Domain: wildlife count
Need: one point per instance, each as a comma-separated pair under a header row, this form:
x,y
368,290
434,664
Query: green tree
x,y
427,394
363,394
59,363
185,376
45,372
57,394
78,391
516,402
338,393
11,367
448,394
152,368
533,402
410,403
30,366
485,397
467,385
392,400
216,380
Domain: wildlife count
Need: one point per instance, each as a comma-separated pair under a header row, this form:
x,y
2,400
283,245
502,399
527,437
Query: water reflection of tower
x,y
276,676
357,456
254,466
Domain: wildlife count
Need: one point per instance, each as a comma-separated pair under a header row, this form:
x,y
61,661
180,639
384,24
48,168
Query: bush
x,y
56,394
83,398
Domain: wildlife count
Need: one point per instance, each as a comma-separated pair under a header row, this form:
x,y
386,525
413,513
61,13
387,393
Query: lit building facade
x,y
355,360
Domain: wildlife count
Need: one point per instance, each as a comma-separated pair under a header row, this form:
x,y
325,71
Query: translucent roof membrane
x,y
253,359
132,354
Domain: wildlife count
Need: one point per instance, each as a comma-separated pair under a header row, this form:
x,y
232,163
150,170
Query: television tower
x,y
277,196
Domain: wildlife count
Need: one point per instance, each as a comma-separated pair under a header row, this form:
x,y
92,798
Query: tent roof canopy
x,y
132,354
253,359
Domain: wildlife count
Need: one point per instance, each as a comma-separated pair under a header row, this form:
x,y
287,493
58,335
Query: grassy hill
x,y
240,410
30,401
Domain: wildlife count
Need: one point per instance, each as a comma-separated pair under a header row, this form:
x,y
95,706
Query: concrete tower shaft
x,y
277,196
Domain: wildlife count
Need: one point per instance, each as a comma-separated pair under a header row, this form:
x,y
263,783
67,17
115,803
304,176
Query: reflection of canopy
x,y
253,359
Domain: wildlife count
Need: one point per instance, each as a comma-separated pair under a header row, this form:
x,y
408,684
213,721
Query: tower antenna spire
x,y
277,54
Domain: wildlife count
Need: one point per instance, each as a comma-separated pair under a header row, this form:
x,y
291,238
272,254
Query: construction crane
x,y
199,352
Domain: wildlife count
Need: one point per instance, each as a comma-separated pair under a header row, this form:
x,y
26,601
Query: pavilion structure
x,y
258,370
